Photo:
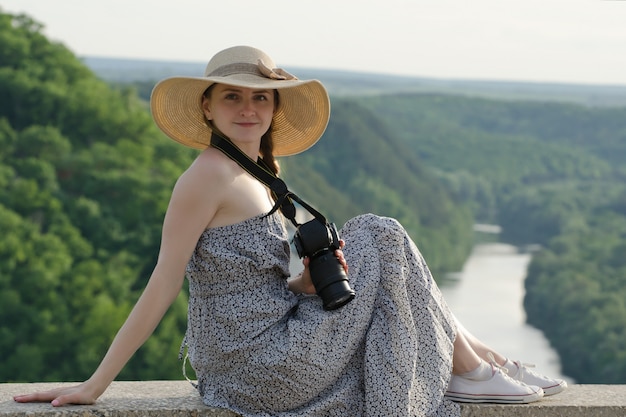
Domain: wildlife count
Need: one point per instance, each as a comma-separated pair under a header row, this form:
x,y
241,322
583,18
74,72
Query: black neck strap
x,y
259,170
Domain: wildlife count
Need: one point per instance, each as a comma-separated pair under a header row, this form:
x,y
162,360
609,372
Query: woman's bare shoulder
x,y
211,167
202,189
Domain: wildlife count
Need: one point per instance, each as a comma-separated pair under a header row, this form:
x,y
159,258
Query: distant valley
x,y
345,83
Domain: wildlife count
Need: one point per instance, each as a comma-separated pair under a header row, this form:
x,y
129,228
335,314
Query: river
x,y
487,297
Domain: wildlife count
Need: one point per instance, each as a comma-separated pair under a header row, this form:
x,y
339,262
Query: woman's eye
x,y
231,97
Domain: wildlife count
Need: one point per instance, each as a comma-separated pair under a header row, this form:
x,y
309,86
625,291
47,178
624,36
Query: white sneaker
x,y
500,388
520,372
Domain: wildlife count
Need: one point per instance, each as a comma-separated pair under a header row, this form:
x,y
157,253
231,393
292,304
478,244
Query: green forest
x,y
552,174
85,179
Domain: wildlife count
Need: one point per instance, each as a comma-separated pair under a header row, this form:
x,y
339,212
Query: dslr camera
x,y
318,241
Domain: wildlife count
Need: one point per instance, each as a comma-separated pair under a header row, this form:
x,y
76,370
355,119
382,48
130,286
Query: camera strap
x,y
282,196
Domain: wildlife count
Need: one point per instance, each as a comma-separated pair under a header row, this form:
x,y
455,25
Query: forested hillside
x,y
552,174
576,293
85,180
375,172
84,185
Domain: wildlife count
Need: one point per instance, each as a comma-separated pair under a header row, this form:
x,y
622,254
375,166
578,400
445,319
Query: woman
x,y
261,344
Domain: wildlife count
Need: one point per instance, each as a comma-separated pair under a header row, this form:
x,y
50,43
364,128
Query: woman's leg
x,y
464,358
480,348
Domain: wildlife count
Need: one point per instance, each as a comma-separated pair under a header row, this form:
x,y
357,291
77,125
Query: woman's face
x,y
242,114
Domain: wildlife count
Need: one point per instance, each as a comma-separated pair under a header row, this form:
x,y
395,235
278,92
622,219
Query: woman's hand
x,y
302,284
339,255
79,394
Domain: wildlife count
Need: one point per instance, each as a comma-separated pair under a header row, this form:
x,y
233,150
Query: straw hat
x,y
299,121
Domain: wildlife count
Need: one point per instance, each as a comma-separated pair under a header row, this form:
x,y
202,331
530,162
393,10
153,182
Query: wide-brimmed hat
x,y
299,121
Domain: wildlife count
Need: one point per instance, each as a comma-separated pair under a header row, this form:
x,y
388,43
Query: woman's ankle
x,y
465,366
482,372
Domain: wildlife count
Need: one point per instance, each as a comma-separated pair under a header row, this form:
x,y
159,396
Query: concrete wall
x,y
180,399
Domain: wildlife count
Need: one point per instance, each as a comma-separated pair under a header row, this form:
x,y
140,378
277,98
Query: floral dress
x,y
260,350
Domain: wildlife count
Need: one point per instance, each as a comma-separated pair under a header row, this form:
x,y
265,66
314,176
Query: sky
x,y
564,41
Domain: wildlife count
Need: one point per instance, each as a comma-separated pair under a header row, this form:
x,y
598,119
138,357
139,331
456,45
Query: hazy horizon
x,y
560,41
199,66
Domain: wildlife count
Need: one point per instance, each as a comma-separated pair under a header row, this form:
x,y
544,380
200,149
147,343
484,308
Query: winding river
x,y
487,296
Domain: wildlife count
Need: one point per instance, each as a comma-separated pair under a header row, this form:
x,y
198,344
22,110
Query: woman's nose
x,y
247,108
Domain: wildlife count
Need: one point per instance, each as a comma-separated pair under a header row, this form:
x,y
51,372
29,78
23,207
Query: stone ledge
x,y
179,399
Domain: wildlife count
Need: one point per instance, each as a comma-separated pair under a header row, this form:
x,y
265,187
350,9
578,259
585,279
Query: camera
x,y
318,241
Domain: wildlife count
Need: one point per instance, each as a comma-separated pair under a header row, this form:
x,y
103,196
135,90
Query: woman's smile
x,y
246,124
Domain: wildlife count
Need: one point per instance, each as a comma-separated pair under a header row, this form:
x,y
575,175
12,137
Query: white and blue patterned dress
x,y
260,350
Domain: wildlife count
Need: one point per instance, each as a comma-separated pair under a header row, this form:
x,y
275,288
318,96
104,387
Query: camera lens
x,y
330,280
318,241
338,295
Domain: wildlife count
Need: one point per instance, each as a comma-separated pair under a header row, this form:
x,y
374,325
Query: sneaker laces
x,y
522,368
492,361
505,371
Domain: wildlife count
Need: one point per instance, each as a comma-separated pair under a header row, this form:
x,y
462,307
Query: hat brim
x,y
298,123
